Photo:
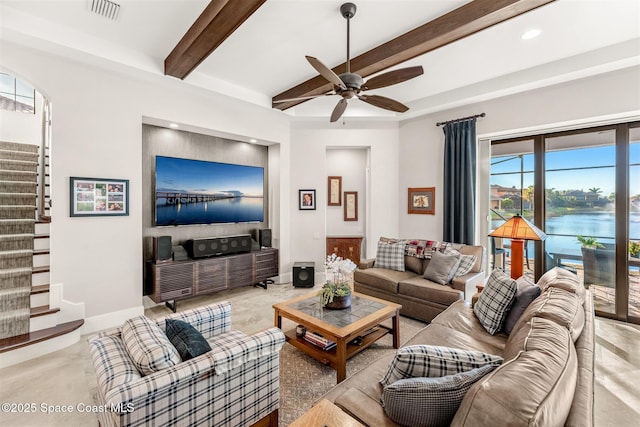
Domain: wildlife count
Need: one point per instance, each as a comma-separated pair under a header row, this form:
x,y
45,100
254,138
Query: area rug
x,y
304,380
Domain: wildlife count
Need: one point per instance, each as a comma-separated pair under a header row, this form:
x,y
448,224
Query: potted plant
x,y
598,262
634,249
336,292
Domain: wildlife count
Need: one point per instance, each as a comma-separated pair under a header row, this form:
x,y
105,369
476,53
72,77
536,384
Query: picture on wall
x,y
98,197
307,200
350,205
334,191
422,200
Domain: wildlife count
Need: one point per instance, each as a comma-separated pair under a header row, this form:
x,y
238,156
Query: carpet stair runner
x,y
18,187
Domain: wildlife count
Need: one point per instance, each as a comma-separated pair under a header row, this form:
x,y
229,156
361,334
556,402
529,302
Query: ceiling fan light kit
x,y
351,85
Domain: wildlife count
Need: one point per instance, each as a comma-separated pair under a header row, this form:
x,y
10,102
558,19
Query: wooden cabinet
x,y
345,247
184,279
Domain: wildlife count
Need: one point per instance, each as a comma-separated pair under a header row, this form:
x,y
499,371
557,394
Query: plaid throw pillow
x,y
435,361
426,402
390,255
495,301
466,262
148,346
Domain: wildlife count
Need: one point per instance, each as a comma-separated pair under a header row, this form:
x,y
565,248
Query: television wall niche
x,y
157,141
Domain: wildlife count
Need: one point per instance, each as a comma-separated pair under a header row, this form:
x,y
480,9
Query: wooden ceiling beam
x,y
455,25
217,22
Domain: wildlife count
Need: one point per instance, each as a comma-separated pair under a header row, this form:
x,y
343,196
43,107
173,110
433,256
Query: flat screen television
x,y
200,192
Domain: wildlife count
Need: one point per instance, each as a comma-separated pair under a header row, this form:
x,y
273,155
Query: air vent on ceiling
x,y
106,8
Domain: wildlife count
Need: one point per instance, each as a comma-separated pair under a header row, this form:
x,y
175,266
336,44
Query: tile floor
x,y
66,376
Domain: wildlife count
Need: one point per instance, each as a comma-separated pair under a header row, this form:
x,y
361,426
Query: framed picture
x,y
334,190
422,200
98,197
350,205
307,200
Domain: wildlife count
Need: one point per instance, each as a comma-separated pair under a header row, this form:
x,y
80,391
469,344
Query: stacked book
x,y
318,340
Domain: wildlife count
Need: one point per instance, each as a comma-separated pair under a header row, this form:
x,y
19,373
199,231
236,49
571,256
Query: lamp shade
x,y
518,228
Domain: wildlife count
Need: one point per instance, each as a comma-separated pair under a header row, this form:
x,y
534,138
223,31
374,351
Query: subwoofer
x,y
264,237
303,274
162,249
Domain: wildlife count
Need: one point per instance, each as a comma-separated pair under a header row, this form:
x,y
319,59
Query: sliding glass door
x,y
582,188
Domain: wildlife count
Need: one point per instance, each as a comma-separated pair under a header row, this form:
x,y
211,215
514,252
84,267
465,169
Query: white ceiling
x,y
265,56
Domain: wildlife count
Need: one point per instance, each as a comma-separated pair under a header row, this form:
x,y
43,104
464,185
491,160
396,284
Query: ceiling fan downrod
x,y
348,11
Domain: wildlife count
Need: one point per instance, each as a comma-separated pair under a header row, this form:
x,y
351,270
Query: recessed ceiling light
x,y
253,140
530,34
173,125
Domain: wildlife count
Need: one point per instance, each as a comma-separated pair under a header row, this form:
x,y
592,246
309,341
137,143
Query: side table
x,y
325,414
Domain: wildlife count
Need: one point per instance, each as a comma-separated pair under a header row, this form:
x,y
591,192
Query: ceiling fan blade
x,y
383,102
326,72
393,77
337,112
301,98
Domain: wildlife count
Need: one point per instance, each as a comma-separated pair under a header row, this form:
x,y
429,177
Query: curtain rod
x,y
460,119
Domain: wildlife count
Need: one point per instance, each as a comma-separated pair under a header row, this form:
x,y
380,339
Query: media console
x,y
176,280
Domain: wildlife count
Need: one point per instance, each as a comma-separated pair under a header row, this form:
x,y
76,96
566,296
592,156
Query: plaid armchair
x,y
234,384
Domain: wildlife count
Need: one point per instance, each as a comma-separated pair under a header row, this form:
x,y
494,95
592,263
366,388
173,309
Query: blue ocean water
x,y
240,209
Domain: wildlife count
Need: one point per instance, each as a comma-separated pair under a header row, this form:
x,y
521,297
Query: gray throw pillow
x,y
495,301
428,402
442,268
186,339
390,255
526,293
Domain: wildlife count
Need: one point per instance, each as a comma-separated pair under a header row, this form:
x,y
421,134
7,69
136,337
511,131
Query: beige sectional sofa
x,y
420,298
546,379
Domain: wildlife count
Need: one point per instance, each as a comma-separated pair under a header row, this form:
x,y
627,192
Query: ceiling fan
x,y
350,85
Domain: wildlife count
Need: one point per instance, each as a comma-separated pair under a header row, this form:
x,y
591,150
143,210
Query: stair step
x,y
43,310
18,165
19,146
41,252
18,155
19,176
41,236
41,269
23,340
39,289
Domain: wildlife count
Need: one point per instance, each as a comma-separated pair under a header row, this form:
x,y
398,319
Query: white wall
x,y
309,143
351,165
606,98
97,126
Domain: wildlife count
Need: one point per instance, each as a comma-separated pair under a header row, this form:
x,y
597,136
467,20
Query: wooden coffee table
x,y
362,319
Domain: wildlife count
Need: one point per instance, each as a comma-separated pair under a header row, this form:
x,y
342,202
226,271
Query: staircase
x,y
30,308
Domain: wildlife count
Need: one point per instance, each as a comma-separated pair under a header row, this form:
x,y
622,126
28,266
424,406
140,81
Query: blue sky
x,y
207,177
581,179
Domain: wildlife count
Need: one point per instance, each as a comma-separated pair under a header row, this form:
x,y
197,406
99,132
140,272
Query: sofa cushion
x,y
148,346
426,290
434,361
442,268
427,402
413,264
526,293
478,252
564,308
533,387
186,339
467,262
495,301
560,278
390,255
382,278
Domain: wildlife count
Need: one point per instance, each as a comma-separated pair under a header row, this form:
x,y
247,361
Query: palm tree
x,y
595,190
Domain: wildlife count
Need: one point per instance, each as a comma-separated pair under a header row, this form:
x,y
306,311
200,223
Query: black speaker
x,y
161,249
303,274
264,237
214,246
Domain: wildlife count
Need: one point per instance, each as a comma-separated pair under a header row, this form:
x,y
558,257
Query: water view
x,y
238,209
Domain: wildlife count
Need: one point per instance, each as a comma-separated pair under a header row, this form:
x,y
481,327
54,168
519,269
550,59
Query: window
x,y
16,95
